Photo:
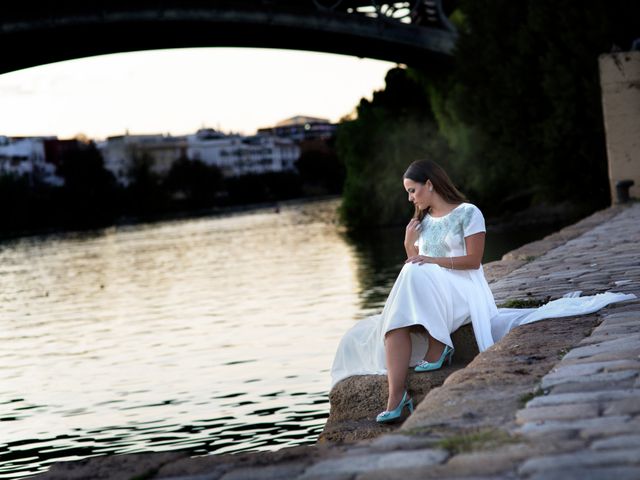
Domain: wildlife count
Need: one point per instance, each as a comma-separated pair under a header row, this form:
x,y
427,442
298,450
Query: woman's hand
x,y
412,232
420,259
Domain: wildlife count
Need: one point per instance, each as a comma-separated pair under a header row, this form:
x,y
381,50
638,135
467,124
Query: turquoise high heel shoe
x,y
389,416
428,366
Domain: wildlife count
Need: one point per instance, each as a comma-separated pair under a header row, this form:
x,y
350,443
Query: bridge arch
x,y
36,33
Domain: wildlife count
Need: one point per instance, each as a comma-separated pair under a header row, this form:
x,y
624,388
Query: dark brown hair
x,y
422,170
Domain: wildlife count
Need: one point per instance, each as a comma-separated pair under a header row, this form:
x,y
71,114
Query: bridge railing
x,y
429,13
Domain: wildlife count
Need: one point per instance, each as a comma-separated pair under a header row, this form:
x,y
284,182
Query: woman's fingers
x,y
415,259
419,259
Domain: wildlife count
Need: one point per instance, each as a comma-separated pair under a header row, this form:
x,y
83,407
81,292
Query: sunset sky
x,y
178,91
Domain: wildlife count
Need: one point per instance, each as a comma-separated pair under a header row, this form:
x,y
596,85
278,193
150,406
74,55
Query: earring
x,y
430,188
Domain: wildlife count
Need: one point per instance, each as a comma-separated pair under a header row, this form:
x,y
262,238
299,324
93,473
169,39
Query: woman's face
x,y
419,193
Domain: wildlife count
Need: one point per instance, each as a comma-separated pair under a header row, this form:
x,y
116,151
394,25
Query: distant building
x,y
237,155
301,128
25,156
120,152
233,154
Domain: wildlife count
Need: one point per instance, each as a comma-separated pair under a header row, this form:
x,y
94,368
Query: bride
x,y
440,288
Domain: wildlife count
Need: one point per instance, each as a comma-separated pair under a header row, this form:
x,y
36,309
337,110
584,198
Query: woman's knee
x,y
398,332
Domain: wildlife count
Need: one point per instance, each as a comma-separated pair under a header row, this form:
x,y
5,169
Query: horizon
x,y
178,91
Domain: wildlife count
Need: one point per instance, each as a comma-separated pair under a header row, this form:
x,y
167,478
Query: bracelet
x,y
451,262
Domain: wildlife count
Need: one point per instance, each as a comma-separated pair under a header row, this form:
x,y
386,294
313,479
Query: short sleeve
x,y
473,221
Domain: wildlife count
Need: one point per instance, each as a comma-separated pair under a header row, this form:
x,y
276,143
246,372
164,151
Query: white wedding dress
x,y
442,300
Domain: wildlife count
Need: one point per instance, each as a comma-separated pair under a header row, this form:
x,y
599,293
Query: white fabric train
x,y
361,350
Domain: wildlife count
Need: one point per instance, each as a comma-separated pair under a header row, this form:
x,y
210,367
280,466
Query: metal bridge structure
x,y
416,32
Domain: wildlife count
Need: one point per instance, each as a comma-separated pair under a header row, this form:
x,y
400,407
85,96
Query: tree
x,y
394,128
526,89
319,166
194,182
145,194
88,197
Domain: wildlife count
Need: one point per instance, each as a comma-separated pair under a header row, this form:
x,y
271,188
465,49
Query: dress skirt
x,y
439,300
428,297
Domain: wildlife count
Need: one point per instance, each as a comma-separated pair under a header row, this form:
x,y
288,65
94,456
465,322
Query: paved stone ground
x,y
554,399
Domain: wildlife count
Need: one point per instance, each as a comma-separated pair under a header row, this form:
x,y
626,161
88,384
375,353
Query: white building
x,y
236,155
301,128
26,156
120,152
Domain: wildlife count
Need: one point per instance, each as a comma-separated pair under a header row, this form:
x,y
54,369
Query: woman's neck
x,y
439,207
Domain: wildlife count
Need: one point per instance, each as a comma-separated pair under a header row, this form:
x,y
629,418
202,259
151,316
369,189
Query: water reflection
x,y
210,335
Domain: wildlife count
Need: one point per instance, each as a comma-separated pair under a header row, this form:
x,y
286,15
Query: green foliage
x,y
24,203
145,194
474,441
193,183
390,131
266,187
89,194
528,303
527,84
527,397
520,111
320,168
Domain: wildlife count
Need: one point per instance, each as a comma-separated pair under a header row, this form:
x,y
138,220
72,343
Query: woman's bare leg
x,y
397,345
435,350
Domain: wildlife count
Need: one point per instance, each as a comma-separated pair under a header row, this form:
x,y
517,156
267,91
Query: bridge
x,y
416,32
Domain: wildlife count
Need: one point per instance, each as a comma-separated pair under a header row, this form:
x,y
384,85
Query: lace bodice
x,y
444,236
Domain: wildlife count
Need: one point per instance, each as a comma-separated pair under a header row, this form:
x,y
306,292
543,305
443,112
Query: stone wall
x,y
620,84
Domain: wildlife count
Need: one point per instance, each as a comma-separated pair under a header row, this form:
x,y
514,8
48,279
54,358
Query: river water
x,y
209,335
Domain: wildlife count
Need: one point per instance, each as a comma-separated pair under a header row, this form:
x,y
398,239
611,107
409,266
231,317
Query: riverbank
x,y
553,399
129,220
541,216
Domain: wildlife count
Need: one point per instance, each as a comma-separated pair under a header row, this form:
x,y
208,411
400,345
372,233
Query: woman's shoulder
x,y
468,214
469,208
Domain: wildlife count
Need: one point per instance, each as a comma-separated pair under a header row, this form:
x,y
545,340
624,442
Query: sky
x,y
181,90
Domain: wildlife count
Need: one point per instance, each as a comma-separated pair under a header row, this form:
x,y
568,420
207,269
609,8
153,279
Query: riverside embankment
x,y
558,398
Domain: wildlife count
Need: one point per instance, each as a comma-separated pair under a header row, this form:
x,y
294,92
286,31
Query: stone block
x,y
585,458
375,461
214,475
538,429
595,386
266,472
486,462
557,412
581,397
111,467
617,442
629,342
601,473
606,378
608,429
622,317
624,354
391,442
605,336
588,368
627,406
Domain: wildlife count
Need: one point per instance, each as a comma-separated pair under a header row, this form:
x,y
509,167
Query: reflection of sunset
x,y
220,328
